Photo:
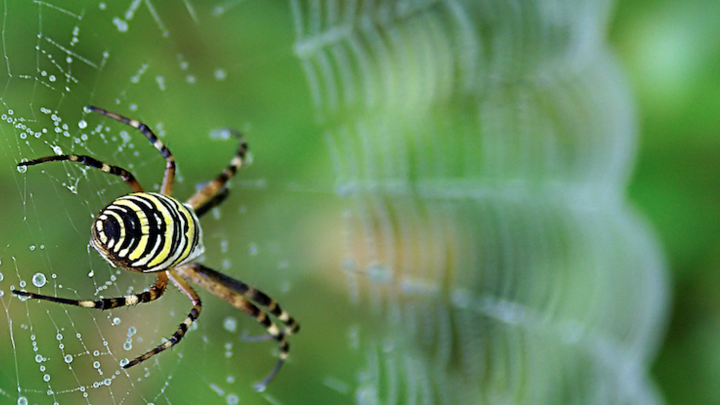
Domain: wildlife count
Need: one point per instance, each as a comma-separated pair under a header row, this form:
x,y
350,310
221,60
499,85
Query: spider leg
x,y
169,177
216,200
214,187
91,162
189,292
209,279
155,291
234,292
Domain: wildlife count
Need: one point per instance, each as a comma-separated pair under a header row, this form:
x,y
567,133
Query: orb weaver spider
x,y
148,232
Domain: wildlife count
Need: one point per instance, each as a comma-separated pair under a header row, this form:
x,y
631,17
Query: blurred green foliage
x,y
671,50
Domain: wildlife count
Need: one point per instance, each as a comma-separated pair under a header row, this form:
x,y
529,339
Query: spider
x,y
147,232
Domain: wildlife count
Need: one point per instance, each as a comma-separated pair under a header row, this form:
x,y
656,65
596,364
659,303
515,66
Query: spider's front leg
x,y
208,195
239,294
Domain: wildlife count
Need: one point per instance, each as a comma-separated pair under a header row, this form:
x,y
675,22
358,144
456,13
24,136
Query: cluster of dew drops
x,y
28,133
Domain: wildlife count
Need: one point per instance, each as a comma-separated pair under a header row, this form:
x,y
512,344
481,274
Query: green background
x,y
671,51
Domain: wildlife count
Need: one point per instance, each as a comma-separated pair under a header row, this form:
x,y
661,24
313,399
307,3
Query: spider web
x,y
437,194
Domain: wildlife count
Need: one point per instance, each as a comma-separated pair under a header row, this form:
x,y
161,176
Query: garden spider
x,y
155,233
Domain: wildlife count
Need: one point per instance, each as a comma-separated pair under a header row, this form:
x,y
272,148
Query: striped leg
x,y
169,177
209,279
234,292
189,292
91,162
152,294
211,189
216,200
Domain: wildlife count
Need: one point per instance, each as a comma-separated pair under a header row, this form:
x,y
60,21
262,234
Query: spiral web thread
x,y
482,150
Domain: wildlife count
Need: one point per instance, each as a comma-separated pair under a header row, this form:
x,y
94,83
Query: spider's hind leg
x,y
169,177
155,291
90,162
189,292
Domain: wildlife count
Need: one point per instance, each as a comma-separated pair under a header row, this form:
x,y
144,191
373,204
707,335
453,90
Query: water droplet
x,y
32,247
22,401
131,331
125,136
123,362
220,133
232,399
96,364
121,25
116,321
220,74
91,273
59,336
1,277
127,345
161,82
51,78
22,169
58,150
253,249
230,324
68,358
39,280
46,377
82,124
39,358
